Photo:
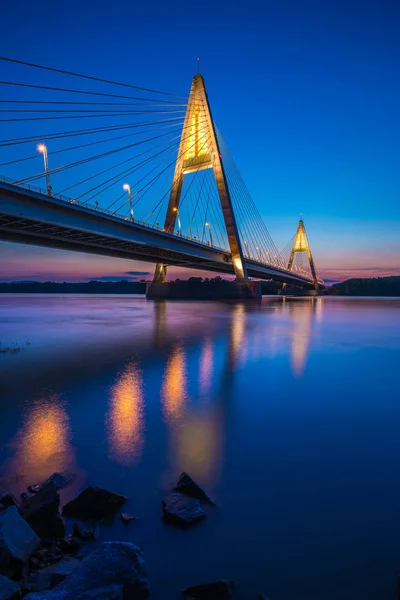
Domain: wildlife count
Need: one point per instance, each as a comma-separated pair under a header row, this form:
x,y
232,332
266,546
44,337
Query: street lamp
x,y
259,253
42,148
209,229
247,248
127,188
175,209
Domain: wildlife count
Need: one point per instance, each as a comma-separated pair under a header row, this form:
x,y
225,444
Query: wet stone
x,y
186,485
217,590
64,568
7,499
41,512
17,540
83,534
8,589
26,496
35,582
71,544
93,503
34,489
115,570
182,510
60,480
127,518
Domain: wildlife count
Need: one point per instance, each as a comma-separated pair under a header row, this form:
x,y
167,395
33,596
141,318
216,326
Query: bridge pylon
x,y
198,150
301,244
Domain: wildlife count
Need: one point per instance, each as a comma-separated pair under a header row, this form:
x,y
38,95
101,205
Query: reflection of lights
x,y
301,333
319,309
237,332
43,443
125,419
174,385
206,367
197,445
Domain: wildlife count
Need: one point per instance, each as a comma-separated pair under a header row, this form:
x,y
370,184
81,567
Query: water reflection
x,y
206,367
125,418
303,313
198,444
237,346
173,392
43,444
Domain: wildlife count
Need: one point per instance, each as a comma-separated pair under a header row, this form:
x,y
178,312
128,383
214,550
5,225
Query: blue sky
x,y
305,94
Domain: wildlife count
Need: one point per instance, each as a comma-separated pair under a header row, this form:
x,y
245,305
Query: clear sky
x,y
305,93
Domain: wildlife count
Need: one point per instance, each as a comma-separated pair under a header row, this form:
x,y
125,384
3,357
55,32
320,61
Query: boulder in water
x,y
93,503
41,512
114,571
186,485
8,589
180,509
17,540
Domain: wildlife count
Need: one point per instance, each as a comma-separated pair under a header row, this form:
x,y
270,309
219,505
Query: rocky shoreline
x,y
39,560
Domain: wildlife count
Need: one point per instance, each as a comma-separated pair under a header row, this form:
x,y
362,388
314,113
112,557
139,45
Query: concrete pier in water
x,y
202,290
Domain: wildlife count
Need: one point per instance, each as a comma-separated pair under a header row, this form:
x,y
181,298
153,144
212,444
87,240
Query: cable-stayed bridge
x,y
145,175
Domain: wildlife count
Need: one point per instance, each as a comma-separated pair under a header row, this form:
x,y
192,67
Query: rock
x,y
93,503
7,499
127,518
182,510
60,480
64,568
17,539
115,570
261,596
35,582
25,497
70,544
83,534
8,589
47,556
41,512
34,489
186,485
218,590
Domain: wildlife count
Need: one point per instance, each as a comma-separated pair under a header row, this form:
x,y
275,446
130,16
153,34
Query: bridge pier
x,y
202,290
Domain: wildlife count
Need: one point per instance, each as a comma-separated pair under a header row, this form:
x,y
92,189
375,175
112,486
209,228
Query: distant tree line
x,y
375,286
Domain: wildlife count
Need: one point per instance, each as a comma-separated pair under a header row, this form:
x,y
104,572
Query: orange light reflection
x,y
125,418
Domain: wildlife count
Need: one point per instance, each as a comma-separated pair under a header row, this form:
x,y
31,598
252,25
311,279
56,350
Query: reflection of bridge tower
x,y
301,244
304,312
197,151
197,432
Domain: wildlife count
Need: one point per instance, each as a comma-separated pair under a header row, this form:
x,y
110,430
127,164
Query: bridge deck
x,y
30,217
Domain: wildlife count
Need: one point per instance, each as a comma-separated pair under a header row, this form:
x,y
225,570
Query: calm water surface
x,y
287,412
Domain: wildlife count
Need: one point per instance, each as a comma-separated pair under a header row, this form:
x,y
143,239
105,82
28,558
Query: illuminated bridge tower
x,y
301,244
198,150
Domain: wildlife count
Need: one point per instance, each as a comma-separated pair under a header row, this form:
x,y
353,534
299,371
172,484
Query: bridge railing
x,y
115,215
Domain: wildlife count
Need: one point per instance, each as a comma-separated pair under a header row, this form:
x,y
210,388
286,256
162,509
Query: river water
x,y
287,413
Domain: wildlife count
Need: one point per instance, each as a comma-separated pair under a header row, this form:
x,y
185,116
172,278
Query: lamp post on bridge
x,y
209,229
176,209
42,148
127,188
246,243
